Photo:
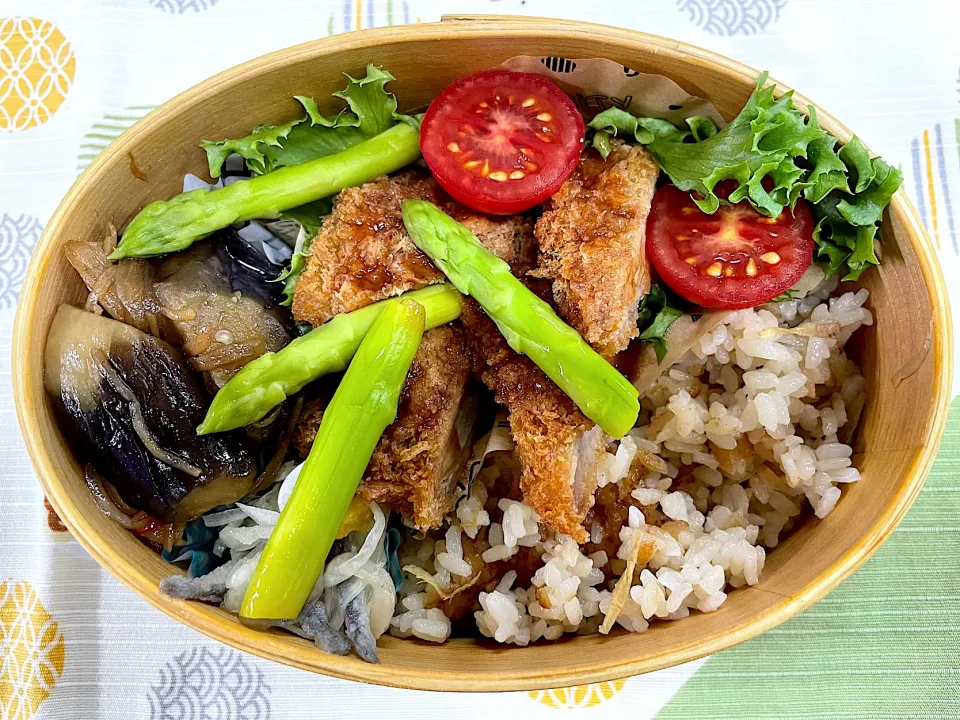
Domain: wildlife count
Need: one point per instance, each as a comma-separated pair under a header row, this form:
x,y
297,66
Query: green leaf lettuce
x,y
657,311
369,110
771,155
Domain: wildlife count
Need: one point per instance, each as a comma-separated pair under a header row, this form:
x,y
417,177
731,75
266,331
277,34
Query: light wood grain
x,y
896,444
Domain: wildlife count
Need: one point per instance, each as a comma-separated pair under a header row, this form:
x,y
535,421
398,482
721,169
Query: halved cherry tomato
x,y
501,141
735,258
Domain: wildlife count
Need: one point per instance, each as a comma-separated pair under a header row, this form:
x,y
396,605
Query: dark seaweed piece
x,y
196,548
250,271
198,588
357,626
314,625
339,547
391,543
136,406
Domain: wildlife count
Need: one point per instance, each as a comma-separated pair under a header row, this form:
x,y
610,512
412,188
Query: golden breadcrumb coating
x,y
592,244
363,253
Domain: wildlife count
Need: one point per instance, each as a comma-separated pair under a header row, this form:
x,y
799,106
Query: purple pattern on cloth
x,y
945,185
18,236
918,179
179,7
203,684
732,17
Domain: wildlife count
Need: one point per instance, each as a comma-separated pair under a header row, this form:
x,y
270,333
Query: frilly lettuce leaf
x,y
644,130
369,110
614,121
827,171
848,223
249,147
762,141
701,128
774,155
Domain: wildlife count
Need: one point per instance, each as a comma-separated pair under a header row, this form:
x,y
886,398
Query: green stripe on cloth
x,y
885,644
106,130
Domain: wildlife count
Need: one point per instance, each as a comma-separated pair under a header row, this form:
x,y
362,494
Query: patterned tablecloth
x,y
75,644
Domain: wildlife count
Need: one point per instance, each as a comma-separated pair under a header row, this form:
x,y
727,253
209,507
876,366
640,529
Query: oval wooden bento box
x,y
906,355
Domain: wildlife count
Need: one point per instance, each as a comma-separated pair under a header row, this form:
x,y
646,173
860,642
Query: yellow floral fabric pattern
x,y
31,651
579,696
37,68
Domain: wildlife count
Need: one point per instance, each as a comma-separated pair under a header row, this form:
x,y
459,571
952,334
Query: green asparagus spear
x,y
529,325
363,406
273,377
169,225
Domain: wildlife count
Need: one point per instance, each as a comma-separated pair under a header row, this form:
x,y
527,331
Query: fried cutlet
x,y
414,466
363,253
558,447
592,237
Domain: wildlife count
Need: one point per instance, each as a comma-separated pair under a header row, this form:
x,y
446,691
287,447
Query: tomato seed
x,y
751,268
770,258
528,102
499,176
453,147
517,175
714,270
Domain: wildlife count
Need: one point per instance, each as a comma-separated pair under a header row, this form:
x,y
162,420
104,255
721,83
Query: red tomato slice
x,y
501,142
735,258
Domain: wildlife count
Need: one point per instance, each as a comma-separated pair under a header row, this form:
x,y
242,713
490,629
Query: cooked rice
x,y
734,444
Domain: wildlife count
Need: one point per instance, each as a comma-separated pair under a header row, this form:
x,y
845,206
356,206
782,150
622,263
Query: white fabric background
x,y
887,68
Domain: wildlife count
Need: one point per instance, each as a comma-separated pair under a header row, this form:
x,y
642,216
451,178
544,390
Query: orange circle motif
x,y
580,696
31,651
37,68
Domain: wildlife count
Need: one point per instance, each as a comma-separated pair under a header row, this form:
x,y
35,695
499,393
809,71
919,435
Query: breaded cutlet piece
x,y
558,447
363,253
308,425
414,466
592,244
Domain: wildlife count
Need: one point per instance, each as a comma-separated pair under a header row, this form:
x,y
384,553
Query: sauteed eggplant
x,y
136,403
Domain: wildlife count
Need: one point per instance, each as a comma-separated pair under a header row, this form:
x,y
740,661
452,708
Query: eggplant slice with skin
x,y
136,405
218,302
124,289
222,328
